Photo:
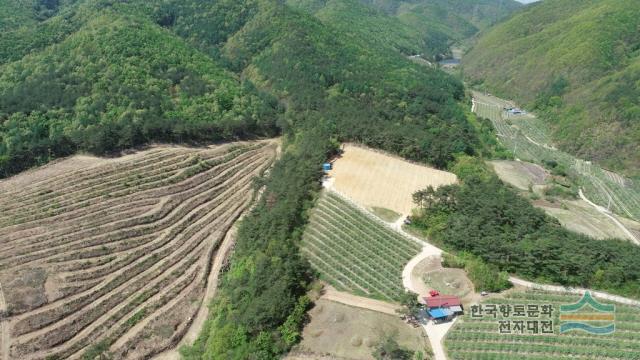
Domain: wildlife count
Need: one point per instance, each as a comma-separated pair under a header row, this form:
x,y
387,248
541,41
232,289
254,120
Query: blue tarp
x,y
438,313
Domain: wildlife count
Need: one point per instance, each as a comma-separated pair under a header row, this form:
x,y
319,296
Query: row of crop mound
x,y
125,244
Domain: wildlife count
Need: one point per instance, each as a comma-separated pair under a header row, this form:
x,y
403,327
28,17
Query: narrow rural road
x,y
435,332
578,291
607,213
360,302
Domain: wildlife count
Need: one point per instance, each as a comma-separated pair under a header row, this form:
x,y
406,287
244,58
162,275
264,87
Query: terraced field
x,y
114,257
354,251
527,137
474,338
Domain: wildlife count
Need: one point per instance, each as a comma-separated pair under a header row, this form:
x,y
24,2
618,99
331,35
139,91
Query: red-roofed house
x,y
442,301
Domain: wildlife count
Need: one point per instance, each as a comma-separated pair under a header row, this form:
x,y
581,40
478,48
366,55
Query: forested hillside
x,y
449,21
354,18
413,27
105,75
578,64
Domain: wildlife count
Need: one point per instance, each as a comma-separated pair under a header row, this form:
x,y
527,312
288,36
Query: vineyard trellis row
x,y
354,252
527,138
479,338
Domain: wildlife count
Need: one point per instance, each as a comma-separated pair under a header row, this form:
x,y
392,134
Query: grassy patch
x,y
385,214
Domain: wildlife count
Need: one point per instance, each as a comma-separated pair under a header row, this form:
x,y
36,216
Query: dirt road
x,y
578,291
606,213
359,301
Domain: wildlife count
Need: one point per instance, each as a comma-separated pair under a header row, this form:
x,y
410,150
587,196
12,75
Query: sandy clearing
x,y
519,174
579,216
341,331
576,215
358,301
372,178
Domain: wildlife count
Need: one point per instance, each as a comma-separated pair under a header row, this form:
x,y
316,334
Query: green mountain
x,y
116,83
414,26
578,63
369,24
454,19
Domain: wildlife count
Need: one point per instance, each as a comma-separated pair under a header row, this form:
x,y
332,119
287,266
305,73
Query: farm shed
x,y
442,301
439,315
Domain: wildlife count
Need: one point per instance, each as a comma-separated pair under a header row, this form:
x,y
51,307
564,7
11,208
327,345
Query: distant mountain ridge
x,y
578,64
426,27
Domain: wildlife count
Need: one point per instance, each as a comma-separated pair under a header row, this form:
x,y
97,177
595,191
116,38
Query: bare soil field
x,y
114,256
374,179
520,174
338,331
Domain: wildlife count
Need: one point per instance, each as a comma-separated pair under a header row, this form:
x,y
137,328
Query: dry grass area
x,y
520,174
113,256
338,331
578,216
575,215
374,179
430,275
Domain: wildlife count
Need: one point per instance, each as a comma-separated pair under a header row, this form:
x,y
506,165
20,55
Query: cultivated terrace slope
x,y
578,64
112,256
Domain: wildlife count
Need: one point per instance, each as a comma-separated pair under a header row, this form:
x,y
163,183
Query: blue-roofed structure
x,y
440,313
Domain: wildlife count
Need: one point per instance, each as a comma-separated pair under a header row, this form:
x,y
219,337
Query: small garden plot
x,y
479,338
354,251
95,259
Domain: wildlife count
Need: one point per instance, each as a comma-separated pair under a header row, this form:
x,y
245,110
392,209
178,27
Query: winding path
x,y
360,302
607,213
435,332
